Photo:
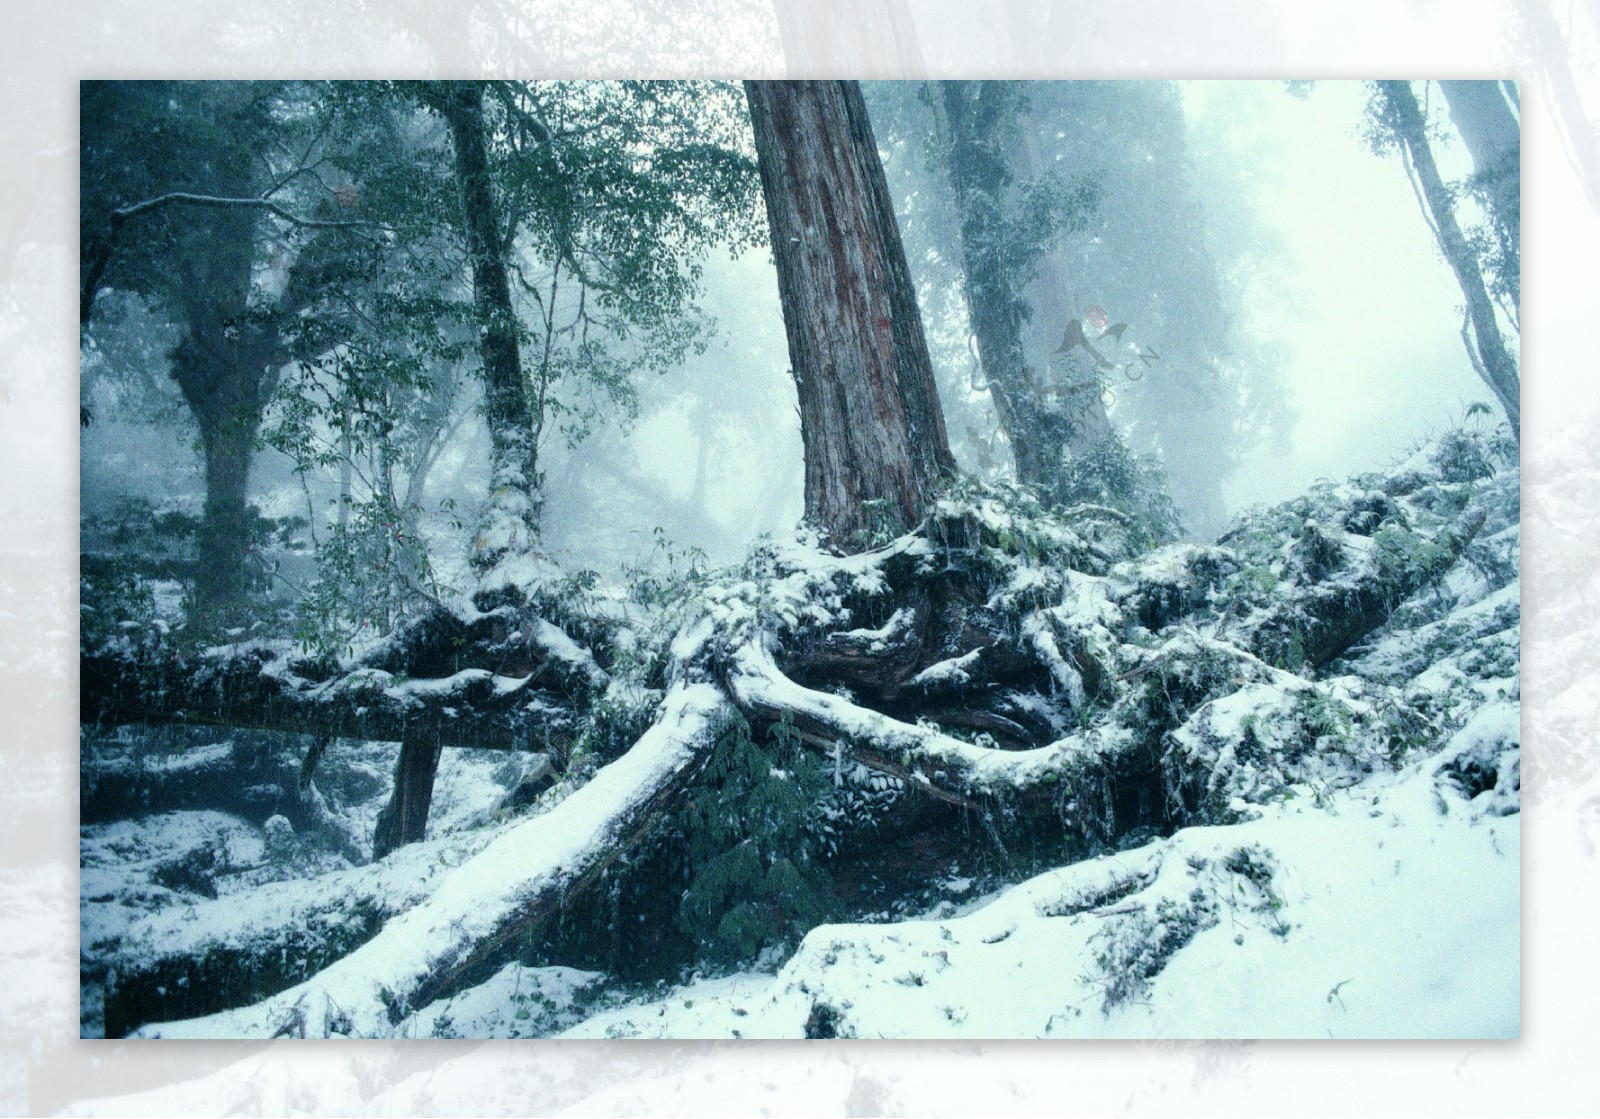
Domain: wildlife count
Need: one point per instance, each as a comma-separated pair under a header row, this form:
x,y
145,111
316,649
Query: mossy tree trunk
x,y
981,118
511,520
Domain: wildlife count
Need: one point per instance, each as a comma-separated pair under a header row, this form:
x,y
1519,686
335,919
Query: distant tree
x,y
1398,122
1033,203
186,189
586,209
872,425
1484,116
1007,225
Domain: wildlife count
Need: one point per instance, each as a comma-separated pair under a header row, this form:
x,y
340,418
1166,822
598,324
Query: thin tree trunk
x,y
870,419
1495,364
511,521
978,178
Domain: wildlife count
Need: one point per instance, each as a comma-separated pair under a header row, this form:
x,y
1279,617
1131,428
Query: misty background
x,y
1306,322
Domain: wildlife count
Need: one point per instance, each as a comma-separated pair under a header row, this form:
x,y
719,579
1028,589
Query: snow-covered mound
x,y
1385,910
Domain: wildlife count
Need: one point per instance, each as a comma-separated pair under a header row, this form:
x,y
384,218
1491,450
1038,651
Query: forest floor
x,y
1342,887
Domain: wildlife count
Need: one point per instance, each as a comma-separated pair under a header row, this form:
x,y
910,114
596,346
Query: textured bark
x,y
1496,366
514,480
870,419
405,818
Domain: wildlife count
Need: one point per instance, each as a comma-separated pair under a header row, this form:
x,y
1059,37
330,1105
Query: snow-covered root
x,y
926,758
502,893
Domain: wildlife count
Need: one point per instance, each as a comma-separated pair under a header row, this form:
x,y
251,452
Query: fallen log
x,y
504,679
504,893
205,957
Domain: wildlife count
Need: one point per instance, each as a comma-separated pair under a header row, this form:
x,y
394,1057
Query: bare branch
x,y
120,217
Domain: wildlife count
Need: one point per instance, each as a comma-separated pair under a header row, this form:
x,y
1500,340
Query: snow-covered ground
x,y
1357,874
1385,910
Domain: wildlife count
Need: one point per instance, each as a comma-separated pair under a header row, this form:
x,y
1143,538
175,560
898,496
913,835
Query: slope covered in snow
x,y
1281,800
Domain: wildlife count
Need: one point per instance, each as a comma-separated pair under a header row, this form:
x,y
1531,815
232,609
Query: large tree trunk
x,y
224,536
226,367
1494,363
511,519
870,419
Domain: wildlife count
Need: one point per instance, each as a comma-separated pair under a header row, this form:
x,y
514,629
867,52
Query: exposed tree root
x,y
928,759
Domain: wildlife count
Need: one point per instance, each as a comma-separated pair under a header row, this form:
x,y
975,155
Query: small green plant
x,y
755,873
1255,866
1135,947
372,572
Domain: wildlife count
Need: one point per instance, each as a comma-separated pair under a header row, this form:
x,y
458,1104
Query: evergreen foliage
x,y
752,842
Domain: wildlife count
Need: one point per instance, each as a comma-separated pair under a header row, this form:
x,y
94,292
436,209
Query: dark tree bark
x,y
405,818
227,367
512,518
870,418
1493,361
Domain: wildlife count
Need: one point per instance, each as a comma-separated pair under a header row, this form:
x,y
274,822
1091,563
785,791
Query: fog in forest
x,y
702,519
1306,325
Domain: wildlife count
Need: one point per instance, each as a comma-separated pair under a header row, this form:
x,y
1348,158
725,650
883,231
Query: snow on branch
x,y
929,760
120,217
489,902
